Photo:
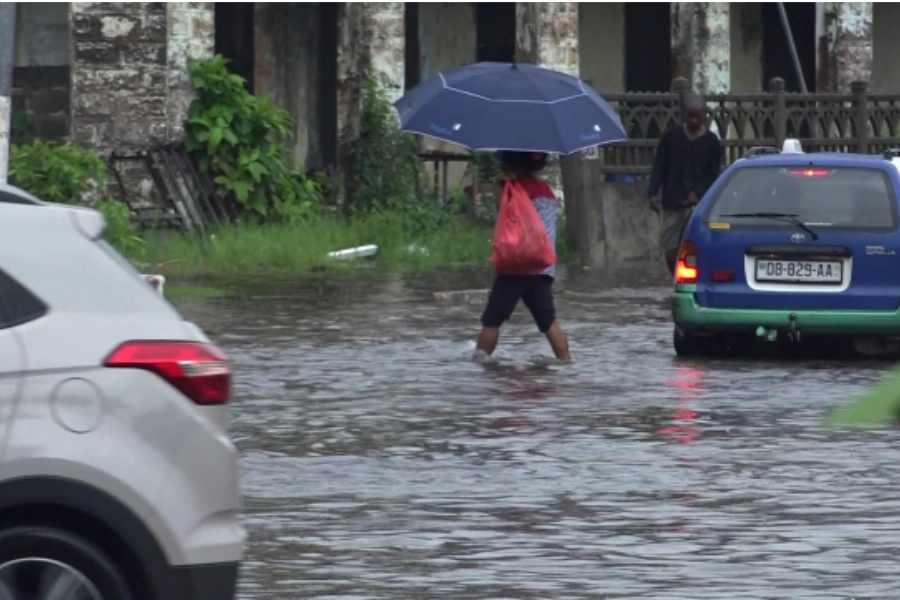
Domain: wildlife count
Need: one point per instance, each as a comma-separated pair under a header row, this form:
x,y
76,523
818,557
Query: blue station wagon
x,y
788,244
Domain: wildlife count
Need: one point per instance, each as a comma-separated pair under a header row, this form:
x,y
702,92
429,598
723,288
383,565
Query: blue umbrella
x,y
502,106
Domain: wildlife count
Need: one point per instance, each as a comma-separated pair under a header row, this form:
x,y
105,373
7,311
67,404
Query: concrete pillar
x,y
371,42
746,47
130,87
191,36
885,76
547,35
848,34
701,45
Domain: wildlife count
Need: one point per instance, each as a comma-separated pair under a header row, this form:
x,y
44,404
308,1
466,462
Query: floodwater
x,y
379,461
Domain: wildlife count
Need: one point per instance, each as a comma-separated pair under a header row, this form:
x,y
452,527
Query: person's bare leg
x,y
559,342
487,340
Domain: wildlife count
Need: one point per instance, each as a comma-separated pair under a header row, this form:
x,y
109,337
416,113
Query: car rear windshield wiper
x,y
780,216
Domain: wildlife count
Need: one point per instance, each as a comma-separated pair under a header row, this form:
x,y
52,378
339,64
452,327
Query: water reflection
x,y
380,462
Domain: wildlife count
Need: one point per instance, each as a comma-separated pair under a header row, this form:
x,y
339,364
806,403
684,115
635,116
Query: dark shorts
x,y
536,291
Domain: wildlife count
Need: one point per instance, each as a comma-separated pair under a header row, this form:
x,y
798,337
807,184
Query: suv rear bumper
x,y
204,582
690,317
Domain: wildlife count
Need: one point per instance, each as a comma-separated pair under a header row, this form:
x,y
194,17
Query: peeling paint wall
x,y
119,75
371,41
547,35
191,35
130,87
848,34
558,36
701,45
386,20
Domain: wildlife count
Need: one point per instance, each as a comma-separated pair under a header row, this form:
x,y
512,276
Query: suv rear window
x,y
17,304
844,198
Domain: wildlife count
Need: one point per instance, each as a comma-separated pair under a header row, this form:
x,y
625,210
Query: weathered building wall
x,y
130,87
370,42
701,45
547,35
601,45
119,75
41,73
848,31
191,35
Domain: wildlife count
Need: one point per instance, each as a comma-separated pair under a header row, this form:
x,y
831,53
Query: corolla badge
x,y
798,238
879,251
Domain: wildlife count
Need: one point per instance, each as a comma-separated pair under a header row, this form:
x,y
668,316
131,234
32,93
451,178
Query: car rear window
x,y
845,198
17,304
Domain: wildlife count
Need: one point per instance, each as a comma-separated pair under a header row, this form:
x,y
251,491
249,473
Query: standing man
x,y
687,163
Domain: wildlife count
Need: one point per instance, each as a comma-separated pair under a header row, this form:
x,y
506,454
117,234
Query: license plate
x,y
799,271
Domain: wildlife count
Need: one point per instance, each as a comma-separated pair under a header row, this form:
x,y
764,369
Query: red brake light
x,y
810,173
686,265
199,371
723,276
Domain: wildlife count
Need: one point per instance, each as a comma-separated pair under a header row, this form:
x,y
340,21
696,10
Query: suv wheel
x,y
37,562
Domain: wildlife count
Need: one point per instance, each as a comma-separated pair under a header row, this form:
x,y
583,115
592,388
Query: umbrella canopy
x,y
502,106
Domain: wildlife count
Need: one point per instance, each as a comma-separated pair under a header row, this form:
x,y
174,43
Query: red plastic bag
x,y
521,244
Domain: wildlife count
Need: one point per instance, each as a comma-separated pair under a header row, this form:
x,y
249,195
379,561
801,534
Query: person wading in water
x,y
687,163
536,291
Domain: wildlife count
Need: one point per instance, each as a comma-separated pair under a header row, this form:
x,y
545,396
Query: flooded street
x,y
379,461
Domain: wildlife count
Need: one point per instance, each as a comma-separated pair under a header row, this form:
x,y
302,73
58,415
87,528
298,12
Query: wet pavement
x,y
379,461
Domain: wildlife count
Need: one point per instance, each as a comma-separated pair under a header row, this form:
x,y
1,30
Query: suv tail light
x,y
199,371
686,265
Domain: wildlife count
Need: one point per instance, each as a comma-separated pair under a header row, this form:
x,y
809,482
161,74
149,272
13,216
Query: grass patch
x,y
203,292
303,248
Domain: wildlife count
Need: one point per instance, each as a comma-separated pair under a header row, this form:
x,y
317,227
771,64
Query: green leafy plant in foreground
x,y
56,172
237,138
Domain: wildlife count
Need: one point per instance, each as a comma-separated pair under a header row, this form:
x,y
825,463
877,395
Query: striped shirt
x,y
548,209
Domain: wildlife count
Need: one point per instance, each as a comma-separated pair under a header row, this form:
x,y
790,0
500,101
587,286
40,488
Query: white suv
x,y
117,477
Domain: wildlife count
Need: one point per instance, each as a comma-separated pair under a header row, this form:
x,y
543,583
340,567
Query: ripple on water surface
x,y
379,462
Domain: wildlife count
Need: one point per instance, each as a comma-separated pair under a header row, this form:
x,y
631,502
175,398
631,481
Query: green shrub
x,y
383,167
57,172
120,231
237,138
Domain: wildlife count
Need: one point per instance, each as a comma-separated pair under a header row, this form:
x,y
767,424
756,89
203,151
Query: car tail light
x,y
686,265
201,372
810,172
